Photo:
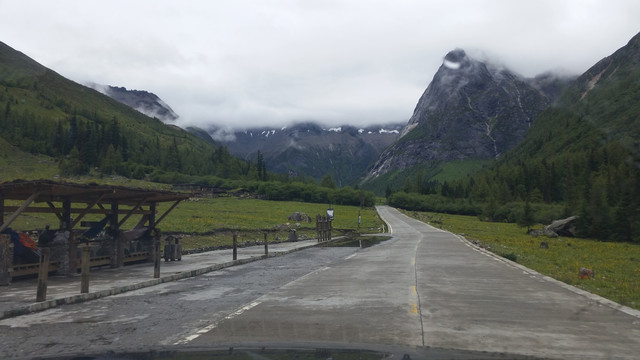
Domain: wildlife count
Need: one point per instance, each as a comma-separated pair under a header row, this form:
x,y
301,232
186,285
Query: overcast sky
x,y
253,63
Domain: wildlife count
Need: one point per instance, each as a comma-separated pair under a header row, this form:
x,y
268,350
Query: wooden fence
x,y
323,228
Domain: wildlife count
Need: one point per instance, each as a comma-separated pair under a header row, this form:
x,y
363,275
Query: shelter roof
x,y
84,193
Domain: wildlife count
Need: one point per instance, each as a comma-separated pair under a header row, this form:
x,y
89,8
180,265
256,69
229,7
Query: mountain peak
x,y
455,59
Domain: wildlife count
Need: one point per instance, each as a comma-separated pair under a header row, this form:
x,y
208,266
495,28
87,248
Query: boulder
x,y
299,217
544,232
585,273
564,227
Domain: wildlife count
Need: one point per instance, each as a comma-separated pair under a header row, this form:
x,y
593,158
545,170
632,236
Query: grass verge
x,y
616,265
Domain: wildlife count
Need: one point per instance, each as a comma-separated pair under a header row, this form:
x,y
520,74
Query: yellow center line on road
x,y
413,304
413,309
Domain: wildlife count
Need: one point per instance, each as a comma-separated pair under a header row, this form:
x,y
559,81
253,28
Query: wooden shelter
x,y
72,202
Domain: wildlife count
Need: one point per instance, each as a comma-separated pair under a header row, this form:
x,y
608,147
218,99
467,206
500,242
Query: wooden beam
x,y
143,220
65,224
83,213
152,216
18,211
168,211
33,209
1,208
128,215
54,210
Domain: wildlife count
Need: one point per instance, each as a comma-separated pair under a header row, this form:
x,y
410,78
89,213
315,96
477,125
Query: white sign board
x,y
330,214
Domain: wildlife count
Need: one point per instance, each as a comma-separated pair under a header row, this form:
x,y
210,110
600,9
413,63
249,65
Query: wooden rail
x,y
33,269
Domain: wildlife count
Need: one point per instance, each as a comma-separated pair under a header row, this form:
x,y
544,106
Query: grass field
x,y
616,265
212,221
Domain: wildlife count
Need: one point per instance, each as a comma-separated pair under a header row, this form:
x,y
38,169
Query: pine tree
x,y
72,136
388,192
526,219
111,161
173,161
114,133
259,164
72,164
327,182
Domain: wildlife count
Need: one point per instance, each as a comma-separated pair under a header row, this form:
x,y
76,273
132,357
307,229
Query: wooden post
x,y
73,245
1,208
156,255
6,260
235,246
327,236
266,245
329,228
43,275
178,250
73,254
152,216
86,260
117,259
324,228
120,255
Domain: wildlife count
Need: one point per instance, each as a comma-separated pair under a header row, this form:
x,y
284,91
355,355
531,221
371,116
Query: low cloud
x,y
223,135
254,63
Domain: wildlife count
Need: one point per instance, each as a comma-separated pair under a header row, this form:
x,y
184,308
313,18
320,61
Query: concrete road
x,y
155,317
427,287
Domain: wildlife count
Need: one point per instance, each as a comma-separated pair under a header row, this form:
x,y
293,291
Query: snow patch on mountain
x,y
451,65
385,131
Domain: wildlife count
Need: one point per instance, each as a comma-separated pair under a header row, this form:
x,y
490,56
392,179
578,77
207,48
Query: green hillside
x,y
18,164
422,178
44,113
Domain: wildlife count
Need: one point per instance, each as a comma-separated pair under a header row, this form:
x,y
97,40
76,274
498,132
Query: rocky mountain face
x,y
143,101
471,109
312,150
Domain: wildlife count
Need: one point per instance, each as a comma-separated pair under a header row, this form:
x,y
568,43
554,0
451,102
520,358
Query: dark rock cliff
x,y
143,101
471,109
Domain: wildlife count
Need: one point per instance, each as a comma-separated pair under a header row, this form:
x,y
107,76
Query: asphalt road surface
x,y
424,288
